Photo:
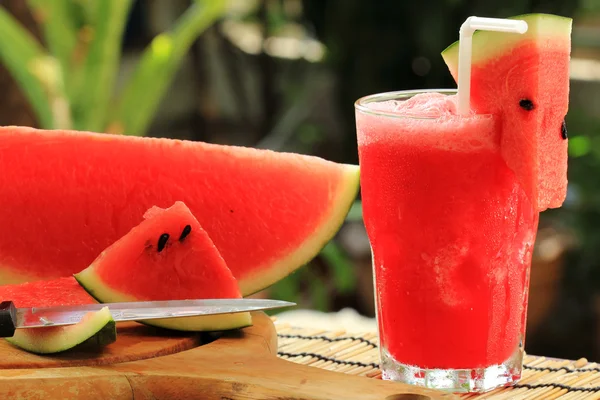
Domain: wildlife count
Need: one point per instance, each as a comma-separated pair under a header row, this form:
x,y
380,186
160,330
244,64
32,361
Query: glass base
x,y
476,380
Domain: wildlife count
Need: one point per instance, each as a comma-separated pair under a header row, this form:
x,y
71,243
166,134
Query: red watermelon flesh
x,y
268,213
56,292
96,326
168,256
524,79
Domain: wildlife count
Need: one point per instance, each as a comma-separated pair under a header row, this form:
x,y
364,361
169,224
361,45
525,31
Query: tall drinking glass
x,y
452,234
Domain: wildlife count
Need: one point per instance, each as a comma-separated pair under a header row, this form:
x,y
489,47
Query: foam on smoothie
x,y
433,113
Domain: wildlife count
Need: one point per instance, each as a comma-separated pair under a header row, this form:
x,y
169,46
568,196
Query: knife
x,y
12,318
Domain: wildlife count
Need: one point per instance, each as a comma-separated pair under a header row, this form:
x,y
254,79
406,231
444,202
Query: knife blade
x,y
12,318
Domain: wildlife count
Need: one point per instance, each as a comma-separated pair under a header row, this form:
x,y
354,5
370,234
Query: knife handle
x,y
8,319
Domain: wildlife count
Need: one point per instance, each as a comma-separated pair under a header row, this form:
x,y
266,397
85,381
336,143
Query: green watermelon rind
x,y
488,45
89,280
97,330
325,231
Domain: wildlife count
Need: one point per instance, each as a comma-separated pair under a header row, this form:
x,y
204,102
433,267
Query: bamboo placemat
x,y
358,354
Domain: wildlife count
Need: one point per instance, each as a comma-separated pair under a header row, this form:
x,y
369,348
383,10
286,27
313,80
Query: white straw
x,y
465,48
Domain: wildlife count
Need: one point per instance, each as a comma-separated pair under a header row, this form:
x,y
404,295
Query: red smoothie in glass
x,y
451,231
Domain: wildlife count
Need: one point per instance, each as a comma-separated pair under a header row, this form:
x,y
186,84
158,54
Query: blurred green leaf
x,y
355,213
589,6
288,288
59,29
310,134
101,64
341,267
158,65
595,146
319,295
579,146
23,56
88,9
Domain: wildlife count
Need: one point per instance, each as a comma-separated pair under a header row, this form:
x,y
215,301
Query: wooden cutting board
x,y
148,363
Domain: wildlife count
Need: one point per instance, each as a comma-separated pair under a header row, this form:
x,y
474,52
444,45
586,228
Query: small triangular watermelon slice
x,y
96,328
524,79
168,256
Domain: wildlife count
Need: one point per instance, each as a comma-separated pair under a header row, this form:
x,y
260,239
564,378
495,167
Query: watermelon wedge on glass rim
x,y
268,213
524,81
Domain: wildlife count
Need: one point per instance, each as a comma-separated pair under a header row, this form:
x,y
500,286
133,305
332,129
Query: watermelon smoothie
x,y
452,233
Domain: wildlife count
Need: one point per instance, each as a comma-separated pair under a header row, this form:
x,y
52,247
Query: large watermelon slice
x,y
96,328
168,256
67,195
525,80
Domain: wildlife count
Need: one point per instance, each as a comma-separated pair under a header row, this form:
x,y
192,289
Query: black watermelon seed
x,y
162,241
563,130
186,231
526,104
